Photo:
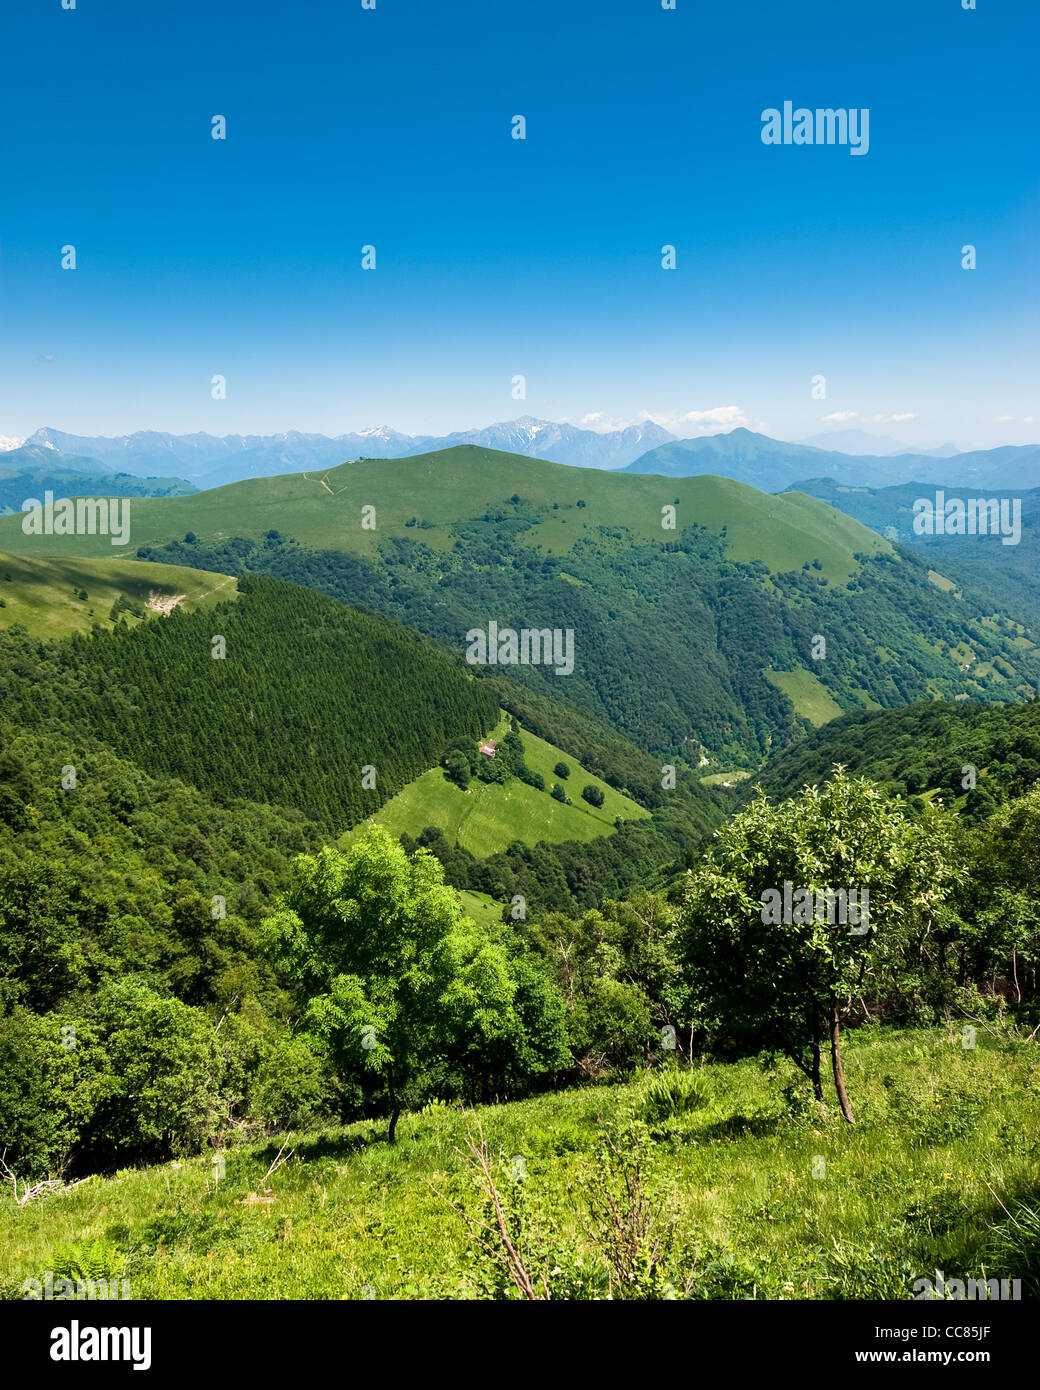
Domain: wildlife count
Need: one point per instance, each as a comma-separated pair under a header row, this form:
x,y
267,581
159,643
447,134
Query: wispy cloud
x,y
842,417
719,419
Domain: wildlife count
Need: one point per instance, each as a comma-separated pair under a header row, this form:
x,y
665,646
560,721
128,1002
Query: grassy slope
x,y
487,817
810,698
39,593
943,1136
324,510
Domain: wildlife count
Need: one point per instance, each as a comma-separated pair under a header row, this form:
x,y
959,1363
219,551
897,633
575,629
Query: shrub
x,y
672,1093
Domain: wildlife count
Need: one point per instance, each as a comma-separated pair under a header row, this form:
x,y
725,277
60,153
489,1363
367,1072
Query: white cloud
x,y
896,419
1002,419
839,417
719,419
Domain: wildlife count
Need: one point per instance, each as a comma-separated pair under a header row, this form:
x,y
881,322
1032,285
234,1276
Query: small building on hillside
x,y
488,749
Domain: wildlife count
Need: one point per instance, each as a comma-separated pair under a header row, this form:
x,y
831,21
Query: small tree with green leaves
x,y
755,979
391,977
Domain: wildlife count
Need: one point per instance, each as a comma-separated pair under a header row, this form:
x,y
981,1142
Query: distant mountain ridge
x,y
773,465
32,470
859,442
211,461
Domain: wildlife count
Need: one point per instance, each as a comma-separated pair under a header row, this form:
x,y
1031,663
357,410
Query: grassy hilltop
x,y
725,608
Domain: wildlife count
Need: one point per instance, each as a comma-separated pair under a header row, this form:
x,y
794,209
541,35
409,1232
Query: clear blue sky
x,y
497,257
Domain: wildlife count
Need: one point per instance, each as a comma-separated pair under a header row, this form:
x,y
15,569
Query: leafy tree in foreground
x,y
1007,925
767,961
394,980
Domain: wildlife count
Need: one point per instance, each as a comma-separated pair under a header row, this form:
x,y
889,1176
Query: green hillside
x,y
807,694
766,1203
282,696
437,490
744,586
486,818
47,596
1008,574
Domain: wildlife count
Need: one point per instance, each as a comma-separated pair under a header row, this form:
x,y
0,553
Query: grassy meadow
x,y
753,1192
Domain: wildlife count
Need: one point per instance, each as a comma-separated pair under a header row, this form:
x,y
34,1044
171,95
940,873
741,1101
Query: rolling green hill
x,y
308,695
57,596
736,1173
437,490
675,631
1008,574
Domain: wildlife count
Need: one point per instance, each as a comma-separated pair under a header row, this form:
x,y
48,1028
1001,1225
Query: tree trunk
x,y
817,1083
839,1075
394,1117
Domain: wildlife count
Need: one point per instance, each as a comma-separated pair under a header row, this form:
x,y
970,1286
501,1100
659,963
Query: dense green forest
x,y
281,696
975,756
708,627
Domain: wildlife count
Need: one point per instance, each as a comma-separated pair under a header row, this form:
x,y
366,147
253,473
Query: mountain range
x,y
860,442
772,465
210,461
32,469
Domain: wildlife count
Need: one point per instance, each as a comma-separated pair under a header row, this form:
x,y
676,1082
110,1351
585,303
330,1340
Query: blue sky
x,y
498,257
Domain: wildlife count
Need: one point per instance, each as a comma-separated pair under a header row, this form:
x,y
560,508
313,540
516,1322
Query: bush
x,y
592,794
160,1089
291,1090
45,1093
672,1093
